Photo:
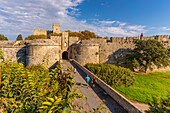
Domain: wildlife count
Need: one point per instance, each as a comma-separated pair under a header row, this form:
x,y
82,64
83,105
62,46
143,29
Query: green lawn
x,y
157,84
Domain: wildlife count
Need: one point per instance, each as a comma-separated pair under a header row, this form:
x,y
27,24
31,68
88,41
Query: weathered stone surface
x,y
94,50
40,32
42,50
86,53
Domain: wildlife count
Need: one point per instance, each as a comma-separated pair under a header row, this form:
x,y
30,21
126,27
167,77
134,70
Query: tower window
x,y
65,44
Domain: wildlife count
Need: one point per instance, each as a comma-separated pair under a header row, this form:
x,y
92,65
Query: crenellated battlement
x,y
131,38
162,38
147,38
65,47
116,39
40,32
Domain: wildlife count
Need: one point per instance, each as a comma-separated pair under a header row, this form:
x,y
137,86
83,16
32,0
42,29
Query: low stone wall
x,y
125,103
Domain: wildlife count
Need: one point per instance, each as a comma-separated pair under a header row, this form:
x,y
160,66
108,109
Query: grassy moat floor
x,y
147,85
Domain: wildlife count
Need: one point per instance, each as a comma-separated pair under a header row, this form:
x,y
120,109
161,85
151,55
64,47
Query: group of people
x,y
93,80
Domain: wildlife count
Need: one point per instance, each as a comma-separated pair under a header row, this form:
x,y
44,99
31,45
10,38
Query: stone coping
x,y
43,42
7,44
125,103
86,44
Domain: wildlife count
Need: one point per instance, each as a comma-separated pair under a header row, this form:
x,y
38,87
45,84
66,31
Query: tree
x,y
36,90
32,37
83,35
2,37
107,38
148,53
19,37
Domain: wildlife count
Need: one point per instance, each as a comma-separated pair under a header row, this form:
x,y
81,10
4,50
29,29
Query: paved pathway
x,y
94,95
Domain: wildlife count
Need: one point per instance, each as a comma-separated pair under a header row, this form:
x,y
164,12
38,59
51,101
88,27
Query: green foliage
x,y
112,75
83,35
35,89
146,54
2,37
101,108
162,106
1,54
54,34
147,85
32,37
107,38
19,37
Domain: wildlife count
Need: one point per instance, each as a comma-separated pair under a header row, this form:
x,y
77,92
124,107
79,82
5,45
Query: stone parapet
x,y
42,42
8,44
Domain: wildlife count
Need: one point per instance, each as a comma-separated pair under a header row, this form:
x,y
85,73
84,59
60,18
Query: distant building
x,y
56,29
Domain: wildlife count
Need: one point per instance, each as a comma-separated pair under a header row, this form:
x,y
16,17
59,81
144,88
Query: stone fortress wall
x,y
42,50
14,50
86,51
112,51
39,32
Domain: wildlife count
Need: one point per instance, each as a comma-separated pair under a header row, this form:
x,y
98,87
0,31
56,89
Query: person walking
x,y
74,70
93,81
87,80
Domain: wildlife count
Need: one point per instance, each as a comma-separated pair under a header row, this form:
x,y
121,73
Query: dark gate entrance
x,y
65,55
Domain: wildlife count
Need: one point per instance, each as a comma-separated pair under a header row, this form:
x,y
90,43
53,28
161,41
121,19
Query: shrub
x,y
162,106
112,74
1,54
2,37
19,37
35,89
32,37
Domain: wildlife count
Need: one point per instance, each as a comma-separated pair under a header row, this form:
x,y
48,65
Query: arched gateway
x,y
65,55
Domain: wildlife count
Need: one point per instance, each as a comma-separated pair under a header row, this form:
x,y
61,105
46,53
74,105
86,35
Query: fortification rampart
x,y
162,38
112,51
40,50
85,51
147,38
14,50
39,32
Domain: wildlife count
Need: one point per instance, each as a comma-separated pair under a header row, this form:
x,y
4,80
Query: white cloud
x,y
107,22
165,28
22,16
136,27
121,23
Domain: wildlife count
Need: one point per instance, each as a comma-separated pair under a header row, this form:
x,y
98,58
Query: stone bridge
x,y
114,101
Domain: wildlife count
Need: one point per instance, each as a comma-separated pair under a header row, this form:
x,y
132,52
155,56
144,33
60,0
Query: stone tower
x,y
40,50
64,41
56,28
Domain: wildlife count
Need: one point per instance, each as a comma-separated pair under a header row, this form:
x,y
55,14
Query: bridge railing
x,y
125,103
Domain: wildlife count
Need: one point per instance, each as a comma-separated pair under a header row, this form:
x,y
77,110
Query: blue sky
x,y
104,17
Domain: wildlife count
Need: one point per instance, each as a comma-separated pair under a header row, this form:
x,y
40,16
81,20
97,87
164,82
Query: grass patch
x,y
147,85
